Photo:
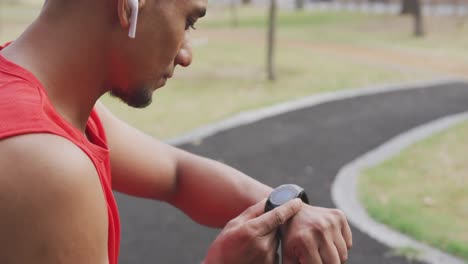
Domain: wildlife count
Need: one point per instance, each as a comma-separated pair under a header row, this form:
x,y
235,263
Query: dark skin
x,y
80,50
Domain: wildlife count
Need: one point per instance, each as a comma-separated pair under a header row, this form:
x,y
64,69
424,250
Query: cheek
x,y
170,42
160,35
160,44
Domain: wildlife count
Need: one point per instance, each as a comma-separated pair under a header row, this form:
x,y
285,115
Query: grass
x,y
411,254
423,192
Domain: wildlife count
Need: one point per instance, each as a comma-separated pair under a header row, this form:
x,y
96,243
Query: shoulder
x,y
51,195
43,154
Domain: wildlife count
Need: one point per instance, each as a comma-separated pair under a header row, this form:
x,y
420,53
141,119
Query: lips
x,y
168,75
164,79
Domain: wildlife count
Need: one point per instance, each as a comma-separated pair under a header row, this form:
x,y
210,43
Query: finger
x,y
340,245
306,251
329,253
347,234
254,211
270,221
311,258
271,249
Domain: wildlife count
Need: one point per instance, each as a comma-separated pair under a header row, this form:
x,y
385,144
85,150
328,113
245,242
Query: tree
x,y
417,15
271,71
414,8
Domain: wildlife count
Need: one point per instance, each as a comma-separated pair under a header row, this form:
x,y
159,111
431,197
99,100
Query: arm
x,y
51,203
145,167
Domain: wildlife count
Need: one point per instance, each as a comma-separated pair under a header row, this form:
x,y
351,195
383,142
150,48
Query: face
x,y
140,66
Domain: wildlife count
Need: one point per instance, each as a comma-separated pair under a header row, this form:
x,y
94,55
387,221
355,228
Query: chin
x,y
137,98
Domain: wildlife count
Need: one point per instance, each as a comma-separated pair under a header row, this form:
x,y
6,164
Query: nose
x,y
184,56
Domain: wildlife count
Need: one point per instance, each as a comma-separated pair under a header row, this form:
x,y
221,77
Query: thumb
x,y
270,221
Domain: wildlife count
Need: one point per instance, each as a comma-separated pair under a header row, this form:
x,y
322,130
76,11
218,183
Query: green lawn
x,y
423,192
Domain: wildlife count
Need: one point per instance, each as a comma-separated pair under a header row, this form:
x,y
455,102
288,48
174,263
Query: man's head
x,y
141,65
132,68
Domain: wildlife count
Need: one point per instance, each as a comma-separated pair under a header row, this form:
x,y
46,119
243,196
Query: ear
x,y
124,12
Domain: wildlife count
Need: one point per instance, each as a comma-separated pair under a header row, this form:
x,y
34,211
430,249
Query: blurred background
x,y
250,54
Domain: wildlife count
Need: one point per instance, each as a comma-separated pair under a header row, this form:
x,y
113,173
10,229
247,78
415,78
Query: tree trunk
x,y
271,71
246,2
414,8
418,19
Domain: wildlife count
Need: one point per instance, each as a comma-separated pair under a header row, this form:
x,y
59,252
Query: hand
x,y
250,238
316,236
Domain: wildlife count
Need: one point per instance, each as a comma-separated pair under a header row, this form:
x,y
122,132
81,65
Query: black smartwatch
x,y
284,194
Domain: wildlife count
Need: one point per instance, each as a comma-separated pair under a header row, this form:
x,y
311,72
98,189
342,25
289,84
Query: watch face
x,y
283,195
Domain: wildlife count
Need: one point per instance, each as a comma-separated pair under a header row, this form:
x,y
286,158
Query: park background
x,y
320,47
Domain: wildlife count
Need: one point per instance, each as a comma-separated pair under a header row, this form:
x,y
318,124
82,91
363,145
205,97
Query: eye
x,y
190,23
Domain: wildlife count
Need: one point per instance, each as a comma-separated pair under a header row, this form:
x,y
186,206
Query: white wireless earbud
x,y
134,5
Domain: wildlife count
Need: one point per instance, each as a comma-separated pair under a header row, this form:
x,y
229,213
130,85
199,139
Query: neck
x,y
67,54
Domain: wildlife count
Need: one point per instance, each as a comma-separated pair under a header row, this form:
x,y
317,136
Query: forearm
x,y
212,193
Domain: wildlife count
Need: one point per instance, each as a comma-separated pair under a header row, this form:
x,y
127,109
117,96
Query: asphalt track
x,y
307,147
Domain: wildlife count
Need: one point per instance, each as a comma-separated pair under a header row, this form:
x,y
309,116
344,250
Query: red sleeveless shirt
x,y
26,109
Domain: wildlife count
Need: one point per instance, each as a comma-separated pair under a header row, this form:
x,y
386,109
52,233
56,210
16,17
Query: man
x,y
58,166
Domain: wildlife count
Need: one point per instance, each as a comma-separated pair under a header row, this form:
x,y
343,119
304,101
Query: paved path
x,y
306,147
